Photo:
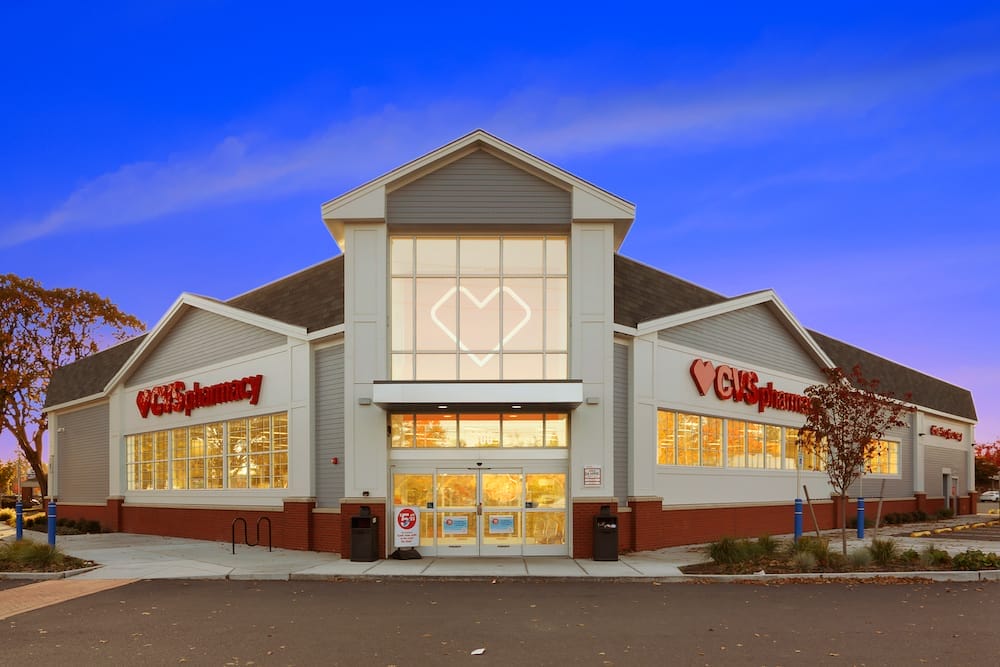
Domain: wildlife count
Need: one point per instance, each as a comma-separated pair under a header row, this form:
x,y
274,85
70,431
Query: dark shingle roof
x,y
89,375
899,380
312,298
643,293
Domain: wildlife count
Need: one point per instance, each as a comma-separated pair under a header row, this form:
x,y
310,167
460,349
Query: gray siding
x,y
329,410
752,334
894,488
479,188
621,411
82,467
937,458
201,338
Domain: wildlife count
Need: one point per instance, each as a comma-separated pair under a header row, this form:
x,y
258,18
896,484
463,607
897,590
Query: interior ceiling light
x,y
442,407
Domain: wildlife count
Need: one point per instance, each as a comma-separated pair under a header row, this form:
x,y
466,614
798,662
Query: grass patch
x,y
28,556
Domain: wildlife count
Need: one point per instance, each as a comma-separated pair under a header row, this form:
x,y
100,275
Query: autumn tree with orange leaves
x,y
846,419
40,330
987,463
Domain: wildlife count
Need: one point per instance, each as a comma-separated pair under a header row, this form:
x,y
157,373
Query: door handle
x,y
479,509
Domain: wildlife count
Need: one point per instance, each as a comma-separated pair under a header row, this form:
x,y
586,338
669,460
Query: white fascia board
x,y
625,330
938,413
76,402
367,200
738,303
470,393
329,332
187,300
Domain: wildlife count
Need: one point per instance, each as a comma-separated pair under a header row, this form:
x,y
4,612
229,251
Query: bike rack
x,y
246,539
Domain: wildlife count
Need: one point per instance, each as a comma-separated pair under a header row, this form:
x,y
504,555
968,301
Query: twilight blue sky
x,y
846,157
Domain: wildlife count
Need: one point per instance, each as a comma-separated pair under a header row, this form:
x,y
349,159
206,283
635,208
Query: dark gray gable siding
x,y
754,335
621,412
201,338
329,411
937,458
83,455
479,189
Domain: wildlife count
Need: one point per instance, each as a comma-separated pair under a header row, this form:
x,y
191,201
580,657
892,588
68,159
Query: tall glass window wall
x,y
479,307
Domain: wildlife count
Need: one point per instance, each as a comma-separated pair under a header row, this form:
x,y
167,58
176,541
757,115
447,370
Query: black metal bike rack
x,y
246,539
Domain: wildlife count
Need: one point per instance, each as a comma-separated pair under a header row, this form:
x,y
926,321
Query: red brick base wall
x,y
583,527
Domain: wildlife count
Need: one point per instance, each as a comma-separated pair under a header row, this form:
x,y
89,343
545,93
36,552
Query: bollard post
x,y
52,523
798,519
19,519
861,518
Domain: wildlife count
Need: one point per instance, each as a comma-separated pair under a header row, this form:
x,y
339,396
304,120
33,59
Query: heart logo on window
x,y
464,292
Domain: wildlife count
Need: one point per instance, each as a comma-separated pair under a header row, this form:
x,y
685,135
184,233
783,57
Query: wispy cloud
x,y
252,167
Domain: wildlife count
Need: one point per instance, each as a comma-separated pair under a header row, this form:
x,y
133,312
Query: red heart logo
x,y
704,375
142,401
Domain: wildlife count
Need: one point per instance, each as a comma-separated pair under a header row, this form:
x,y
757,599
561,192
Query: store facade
x,y
483,372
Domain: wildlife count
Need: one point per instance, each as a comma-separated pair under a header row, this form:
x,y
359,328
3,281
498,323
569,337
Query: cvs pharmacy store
x,y
481,372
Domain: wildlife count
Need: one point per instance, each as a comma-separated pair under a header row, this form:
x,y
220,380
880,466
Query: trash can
x,y
606,535
364,538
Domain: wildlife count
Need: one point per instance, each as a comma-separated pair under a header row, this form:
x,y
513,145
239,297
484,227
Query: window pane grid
x,y
697,440
483,300
478,430
238,454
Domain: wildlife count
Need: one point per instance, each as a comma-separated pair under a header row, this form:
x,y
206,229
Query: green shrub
x,y
6,514
63,521
853,522
30,554
93,527
804,561
909,556
931,555
767,545
920,515
883,551
974,559
859,558
945,513
731,551
817,547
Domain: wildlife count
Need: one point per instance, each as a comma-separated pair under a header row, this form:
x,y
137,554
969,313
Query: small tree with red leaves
x,y
987,462
847,417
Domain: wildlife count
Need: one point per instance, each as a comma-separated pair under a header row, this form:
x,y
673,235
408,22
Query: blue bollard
x,y
19,519
861,518
798,519
52,523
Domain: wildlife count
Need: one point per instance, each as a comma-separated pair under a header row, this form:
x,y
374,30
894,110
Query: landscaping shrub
x,y
974,559
731,551
860,558
93,527
931,555
945,513
804,561
909,556
818,548
6,515
883,551
768,545
26,553
920,515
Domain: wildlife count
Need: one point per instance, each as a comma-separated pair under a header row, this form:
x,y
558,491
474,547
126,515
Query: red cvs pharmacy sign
x,y
732,384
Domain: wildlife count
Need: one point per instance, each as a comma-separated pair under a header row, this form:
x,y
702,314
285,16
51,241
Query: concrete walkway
x,y
124,556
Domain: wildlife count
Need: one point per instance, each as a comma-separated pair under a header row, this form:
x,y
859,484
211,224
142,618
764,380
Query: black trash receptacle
x,y
364,538
606,535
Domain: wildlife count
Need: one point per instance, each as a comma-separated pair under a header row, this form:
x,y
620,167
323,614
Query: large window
x,y
696,440
236,454
479,307
473,429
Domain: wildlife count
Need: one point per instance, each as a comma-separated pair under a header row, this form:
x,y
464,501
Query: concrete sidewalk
x,y
131,556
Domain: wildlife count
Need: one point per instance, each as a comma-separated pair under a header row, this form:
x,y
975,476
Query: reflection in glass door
x,y
492,512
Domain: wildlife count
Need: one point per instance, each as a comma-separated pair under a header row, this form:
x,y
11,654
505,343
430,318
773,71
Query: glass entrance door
x,y
489,512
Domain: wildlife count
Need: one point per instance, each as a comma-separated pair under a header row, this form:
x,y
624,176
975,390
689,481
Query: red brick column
x,y
352,507
921,499
583,525
115,513
297,523
647,523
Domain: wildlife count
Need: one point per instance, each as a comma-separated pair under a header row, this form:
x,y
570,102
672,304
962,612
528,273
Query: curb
x,y
43,576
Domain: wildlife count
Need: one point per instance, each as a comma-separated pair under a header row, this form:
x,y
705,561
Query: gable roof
x,y
312,298
90,375
643,293
900,380
367,202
